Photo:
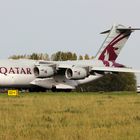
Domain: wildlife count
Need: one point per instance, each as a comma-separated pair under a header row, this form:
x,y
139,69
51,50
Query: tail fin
x,y
114,42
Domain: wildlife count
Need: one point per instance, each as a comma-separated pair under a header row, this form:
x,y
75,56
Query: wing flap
x,y
50,82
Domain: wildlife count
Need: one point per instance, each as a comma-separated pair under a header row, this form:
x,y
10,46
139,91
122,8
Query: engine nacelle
x,y
76,73
43,71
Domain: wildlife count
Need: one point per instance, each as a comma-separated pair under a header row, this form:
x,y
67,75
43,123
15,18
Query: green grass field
x,y
70,116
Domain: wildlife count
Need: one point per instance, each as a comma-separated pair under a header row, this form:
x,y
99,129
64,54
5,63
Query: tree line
x,y
109,82
58,56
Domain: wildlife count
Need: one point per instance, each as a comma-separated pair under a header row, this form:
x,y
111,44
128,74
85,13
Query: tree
x,y
45,56
34,56
80,57
111,82
63,56
74,56
86,57
58,56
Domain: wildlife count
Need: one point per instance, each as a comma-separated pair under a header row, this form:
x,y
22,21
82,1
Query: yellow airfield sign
x,y
13,92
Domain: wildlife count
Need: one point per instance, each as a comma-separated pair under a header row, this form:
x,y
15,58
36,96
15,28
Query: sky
x,y
48,26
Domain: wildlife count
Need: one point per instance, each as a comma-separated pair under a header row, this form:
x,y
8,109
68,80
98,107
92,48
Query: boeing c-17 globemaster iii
x,y
66,75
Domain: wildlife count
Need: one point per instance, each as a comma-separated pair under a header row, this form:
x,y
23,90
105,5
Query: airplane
x,y
67,75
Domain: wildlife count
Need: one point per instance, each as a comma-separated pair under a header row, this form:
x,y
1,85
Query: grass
x,y
70,116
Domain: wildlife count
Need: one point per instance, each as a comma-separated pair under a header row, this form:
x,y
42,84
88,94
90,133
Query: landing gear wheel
x,y
54,89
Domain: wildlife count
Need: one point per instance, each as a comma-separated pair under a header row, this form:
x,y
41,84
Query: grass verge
x,y
70,116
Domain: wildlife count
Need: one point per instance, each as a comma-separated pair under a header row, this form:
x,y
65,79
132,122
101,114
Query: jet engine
x,y
76,73
43,71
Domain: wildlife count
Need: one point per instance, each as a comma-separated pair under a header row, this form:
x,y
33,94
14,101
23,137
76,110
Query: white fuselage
x,y
16,73
19,73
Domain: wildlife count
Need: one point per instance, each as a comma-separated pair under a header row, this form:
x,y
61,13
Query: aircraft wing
x,y
114,69
81,72
48,82
101,69
76,71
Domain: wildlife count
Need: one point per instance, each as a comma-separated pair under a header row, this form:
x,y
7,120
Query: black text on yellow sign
x,y
12,92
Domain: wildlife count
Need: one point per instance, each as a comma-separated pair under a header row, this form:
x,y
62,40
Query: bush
x,y
111,82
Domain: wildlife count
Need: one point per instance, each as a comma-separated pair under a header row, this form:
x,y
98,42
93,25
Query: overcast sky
x,y
48,26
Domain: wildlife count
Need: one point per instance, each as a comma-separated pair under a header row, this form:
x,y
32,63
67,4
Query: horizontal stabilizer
x,y
130,29
105,32
121,29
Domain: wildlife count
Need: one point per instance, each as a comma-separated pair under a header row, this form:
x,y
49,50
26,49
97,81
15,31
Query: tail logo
x,y
110,52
